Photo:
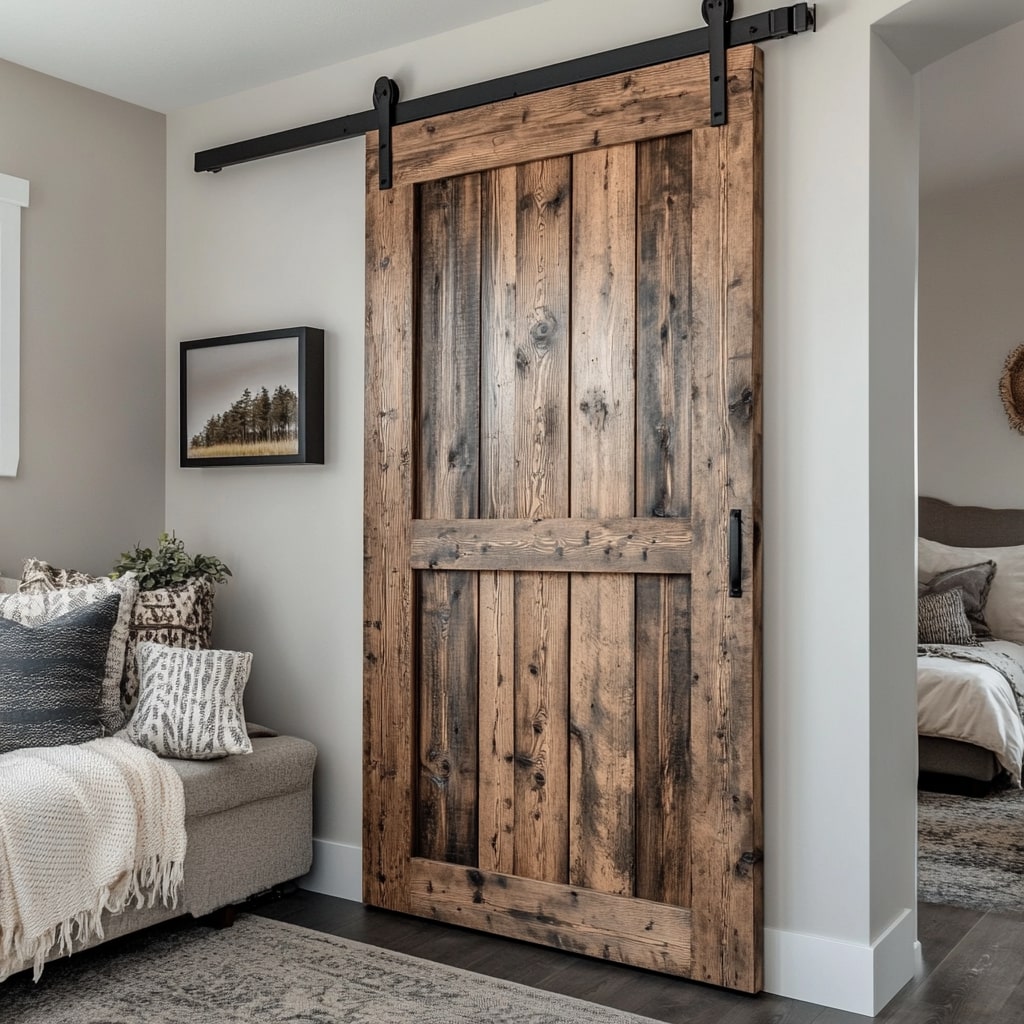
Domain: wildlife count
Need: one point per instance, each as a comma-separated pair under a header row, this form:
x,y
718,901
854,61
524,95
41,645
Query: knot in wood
x,y
743,407
542,332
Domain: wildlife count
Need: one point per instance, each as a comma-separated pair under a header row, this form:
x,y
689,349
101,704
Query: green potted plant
x,y
169,566
175,602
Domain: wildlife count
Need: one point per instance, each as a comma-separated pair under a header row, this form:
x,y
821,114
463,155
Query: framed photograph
x,y
253,399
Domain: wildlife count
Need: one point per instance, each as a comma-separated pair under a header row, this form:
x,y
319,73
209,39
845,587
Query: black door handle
x,y
735,553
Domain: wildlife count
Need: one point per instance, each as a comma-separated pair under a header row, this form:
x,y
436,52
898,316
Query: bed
x,y
969,715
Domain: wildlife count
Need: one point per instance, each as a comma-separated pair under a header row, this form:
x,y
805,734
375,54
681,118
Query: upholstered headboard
x,y
969,526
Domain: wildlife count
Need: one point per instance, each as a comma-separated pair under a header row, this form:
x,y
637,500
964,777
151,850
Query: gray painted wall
x,y
972,252
91,477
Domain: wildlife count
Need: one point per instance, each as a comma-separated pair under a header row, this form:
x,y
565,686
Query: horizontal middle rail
x,y
553,545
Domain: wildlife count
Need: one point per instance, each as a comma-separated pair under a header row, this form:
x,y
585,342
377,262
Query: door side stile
x,y
389,656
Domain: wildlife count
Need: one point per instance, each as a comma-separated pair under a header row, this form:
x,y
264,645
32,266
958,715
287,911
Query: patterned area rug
x,y
971,850
262,971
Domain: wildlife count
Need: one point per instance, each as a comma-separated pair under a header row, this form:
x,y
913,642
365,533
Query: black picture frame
x,y
252,399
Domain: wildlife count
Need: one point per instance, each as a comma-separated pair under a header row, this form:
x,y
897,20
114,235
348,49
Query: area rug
x,y
262,970
971,850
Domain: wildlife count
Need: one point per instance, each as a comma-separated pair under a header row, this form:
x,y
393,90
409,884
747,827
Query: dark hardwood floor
x,y
972,969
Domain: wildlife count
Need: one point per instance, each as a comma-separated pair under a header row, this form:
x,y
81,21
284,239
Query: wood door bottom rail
x,y
654,936
553,545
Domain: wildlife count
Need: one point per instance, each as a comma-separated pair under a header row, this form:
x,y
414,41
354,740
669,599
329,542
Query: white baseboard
x,y
842,975
337,870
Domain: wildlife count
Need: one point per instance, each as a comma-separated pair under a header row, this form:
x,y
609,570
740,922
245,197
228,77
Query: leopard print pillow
x,y
39,577
179,616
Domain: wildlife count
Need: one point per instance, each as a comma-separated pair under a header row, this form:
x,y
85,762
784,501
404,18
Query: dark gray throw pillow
x,y
50,677
975,581
941,620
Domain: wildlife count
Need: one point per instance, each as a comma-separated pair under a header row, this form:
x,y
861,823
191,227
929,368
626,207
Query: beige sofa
x,y
248,820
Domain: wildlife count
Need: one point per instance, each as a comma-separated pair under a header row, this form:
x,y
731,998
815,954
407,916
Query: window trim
x,y
13,197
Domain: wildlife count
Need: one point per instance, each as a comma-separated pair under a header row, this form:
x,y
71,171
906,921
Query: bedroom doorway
x,y
970,815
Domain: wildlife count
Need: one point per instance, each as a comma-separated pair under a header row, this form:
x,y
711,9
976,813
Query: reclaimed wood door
x,y
563,420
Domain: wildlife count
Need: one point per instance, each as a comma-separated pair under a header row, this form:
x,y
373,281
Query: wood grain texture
x,y
602,730
725,796
663,490
542,722
499,314
542,339
627,545
647,103
388,649
543,232
663,327
497,645
663,739
497,743
449,467
630,931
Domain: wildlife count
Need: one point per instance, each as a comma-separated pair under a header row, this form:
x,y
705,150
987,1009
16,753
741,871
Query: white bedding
x,y
960,700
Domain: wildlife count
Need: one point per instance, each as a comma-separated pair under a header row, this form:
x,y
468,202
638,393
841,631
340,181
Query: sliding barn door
x,y
562,568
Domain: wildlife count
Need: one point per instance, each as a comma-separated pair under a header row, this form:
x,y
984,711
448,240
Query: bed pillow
x,y
178,616
51,676
31,609
190,702
181,616
941,619
975,581
1004,610
38,577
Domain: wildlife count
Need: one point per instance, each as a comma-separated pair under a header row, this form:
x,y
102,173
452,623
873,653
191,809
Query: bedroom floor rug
x,y
971,850
262,971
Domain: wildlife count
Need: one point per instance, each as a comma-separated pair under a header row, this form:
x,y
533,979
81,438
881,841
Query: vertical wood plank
x,y
663,489
725,796
542,491
496,850
663,739
388,650
498,303
449,461
602,709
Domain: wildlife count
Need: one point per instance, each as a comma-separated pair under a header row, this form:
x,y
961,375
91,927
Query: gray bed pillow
x,y
975,581
51,674
941,619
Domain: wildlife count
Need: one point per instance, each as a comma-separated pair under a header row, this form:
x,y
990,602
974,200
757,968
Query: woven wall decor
x,y
1011,388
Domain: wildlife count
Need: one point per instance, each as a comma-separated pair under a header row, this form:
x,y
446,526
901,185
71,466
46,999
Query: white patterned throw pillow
x,y
32,609
190,702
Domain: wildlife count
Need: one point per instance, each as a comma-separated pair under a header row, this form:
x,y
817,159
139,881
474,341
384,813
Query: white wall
x,y
280,242
91,475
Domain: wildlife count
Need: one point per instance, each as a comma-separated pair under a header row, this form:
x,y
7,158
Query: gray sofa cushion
x,y
276,766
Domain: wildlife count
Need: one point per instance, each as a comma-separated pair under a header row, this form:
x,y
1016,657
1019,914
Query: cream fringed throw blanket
x,y
83,829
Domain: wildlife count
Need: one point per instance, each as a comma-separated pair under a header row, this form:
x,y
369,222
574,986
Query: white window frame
x,y
13,196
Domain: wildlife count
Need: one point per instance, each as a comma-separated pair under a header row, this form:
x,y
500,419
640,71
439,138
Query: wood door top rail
x,y
647,103
553,545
